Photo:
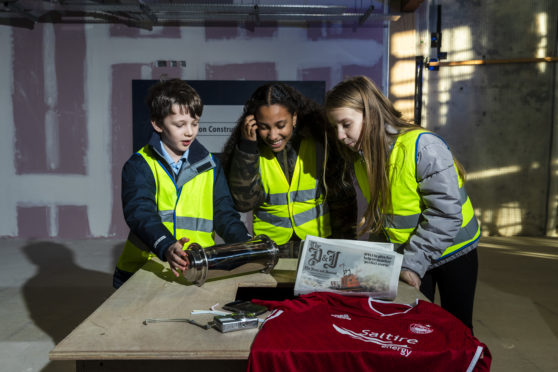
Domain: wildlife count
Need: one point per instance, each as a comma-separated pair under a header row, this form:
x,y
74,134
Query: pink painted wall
x,y
31,102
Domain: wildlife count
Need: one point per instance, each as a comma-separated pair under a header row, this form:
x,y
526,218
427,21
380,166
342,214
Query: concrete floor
x,y
48,288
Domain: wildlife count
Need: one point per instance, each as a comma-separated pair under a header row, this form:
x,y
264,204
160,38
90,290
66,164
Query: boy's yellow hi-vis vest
x,y
186,212
297,207
407,206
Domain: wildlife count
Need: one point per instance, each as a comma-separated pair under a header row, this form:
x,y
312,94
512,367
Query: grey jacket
x,y
441,217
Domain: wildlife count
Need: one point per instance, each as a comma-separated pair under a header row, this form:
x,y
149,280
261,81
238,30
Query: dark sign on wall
x,y
223,103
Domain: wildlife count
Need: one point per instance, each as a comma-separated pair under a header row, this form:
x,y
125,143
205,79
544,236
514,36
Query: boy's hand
x,y
177,258
249,128
410,277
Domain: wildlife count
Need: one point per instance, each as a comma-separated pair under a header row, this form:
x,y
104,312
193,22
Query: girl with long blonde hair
x,y
414,188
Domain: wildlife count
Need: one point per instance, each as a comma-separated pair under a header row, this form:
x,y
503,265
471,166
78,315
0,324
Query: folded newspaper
x,y
349,267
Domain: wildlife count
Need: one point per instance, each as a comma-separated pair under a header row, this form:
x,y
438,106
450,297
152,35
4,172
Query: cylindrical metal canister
x,y
258,254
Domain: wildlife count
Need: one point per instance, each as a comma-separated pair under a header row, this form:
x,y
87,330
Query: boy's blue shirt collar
x,y
174,165
196,151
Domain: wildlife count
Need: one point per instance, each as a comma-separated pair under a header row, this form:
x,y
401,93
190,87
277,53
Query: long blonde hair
x,y
361,94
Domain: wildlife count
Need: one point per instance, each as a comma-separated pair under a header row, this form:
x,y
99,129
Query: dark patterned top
x,y
247,190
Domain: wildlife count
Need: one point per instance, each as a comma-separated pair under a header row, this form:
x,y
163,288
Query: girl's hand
x,y
249,128
177,258
411,278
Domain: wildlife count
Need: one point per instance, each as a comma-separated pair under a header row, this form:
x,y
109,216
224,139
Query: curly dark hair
x,y
310,115
311,122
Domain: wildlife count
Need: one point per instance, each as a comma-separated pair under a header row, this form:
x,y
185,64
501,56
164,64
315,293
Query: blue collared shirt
x,y
175,165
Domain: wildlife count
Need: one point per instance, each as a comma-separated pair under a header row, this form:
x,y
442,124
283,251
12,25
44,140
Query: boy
x,y
173,190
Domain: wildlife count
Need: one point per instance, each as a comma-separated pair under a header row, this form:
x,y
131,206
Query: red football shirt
x,y
331,332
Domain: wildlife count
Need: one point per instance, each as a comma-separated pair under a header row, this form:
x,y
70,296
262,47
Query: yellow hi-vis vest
x,y
403,218
186,211
297,207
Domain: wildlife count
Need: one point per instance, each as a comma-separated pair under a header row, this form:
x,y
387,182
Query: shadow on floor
x,y
61,294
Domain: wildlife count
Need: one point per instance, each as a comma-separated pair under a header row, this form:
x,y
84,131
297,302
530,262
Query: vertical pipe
x,y
419,67
552,187
385,59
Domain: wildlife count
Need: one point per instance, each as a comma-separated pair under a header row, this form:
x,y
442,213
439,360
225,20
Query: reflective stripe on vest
x,y
406,202
298,207
185,211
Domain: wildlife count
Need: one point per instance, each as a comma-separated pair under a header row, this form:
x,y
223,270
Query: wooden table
x,y
114,337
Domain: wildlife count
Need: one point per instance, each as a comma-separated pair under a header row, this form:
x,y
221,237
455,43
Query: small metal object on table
x,y
180,320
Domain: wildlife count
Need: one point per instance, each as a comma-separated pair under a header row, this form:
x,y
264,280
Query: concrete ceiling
x,y
149,13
